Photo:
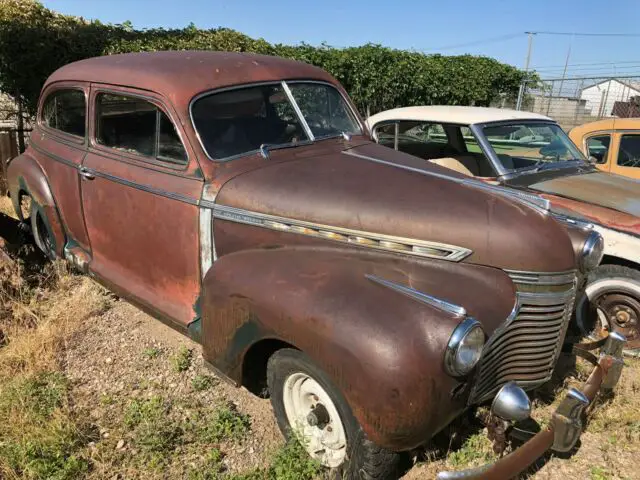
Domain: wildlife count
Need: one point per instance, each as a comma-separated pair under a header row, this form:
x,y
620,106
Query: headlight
x,y
592,252
464,348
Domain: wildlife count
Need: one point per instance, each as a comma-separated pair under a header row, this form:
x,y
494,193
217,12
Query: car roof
x,y
613,123
180,75
453,114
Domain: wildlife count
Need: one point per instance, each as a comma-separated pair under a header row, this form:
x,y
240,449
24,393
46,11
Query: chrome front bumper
x,y
566,423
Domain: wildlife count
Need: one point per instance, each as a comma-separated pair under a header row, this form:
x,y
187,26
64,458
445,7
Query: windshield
x,y
239,121
524,145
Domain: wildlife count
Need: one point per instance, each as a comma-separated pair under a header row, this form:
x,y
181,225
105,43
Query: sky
x,y
494,28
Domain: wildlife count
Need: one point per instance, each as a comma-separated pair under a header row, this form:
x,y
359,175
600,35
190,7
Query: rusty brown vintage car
x,y
530,153
239,199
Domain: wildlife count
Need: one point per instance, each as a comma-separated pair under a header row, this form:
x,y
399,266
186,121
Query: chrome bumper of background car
x,y
566,424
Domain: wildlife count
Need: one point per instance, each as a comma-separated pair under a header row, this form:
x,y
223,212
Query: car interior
x,y
446,145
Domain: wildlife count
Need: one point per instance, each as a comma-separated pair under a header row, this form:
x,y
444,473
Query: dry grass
x,y
40,435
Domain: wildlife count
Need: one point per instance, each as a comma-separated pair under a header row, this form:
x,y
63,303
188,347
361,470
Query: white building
x,y
601,97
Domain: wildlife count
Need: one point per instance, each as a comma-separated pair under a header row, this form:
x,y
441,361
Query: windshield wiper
x,y
265,148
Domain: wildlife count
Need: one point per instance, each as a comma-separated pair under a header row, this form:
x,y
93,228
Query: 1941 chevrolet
x,y
530,153
239,199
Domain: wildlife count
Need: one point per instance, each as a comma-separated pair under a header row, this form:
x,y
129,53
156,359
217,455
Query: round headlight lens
x,y
464,348
592,252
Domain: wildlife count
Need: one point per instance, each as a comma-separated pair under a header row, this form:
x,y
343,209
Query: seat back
x,y
465,164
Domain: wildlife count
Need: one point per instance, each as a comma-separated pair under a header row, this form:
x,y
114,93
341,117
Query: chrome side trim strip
x,y
388,243
435,302
206,240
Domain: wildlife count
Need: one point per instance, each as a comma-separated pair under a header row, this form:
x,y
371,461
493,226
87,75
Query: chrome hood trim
x,y
388,243
435,302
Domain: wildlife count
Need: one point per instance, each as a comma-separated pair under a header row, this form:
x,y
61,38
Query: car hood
x,y
597,188
374,189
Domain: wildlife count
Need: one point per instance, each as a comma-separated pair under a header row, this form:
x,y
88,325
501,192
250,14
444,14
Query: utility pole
x,y
566,64
526,69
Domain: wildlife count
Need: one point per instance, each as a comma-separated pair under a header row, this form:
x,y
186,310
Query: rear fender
x,y
383,350
26,177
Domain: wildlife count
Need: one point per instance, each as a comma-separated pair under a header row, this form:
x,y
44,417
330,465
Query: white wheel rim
x,y
327,442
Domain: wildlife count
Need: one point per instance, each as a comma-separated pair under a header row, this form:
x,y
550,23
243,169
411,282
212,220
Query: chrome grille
x,y
525,348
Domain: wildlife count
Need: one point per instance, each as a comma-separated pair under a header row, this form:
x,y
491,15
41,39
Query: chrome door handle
x,y
86,174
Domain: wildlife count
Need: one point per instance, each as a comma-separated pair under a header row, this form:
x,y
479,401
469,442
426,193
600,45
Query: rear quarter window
x,y
65,111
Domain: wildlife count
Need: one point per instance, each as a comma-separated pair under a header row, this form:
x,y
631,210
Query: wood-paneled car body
x,y
239,199
530,154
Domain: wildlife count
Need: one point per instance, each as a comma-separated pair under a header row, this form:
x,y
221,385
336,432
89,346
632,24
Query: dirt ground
x,y
106,360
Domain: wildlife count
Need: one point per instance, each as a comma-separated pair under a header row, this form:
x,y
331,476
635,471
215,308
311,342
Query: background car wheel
x,y
308,405
611,301
41,232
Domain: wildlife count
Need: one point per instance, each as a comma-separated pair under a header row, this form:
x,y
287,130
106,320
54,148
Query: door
x,y
60,143
140,189
598,146
627,155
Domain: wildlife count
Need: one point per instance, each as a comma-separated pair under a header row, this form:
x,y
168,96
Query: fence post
x,y
523,86
7,151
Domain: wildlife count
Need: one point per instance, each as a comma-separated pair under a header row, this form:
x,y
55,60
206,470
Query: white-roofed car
x,y
532,156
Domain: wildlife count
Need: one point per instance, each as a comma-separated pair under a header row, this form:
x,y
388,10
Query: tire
x,y
360,459
611,300
41,231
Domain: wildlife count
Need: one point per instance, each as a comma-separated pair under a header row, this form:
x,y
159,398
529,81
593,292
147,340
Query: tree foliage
x,y
35,41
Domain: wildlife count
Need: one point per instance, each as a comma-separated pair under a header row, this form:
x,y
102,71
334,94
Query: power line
x,y
590,69
477,42
586,34
582,64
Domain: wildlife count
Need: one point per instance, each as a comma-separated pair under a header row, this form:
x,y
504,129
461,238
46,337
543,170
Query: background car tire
x,y
41,232
615,291
363,460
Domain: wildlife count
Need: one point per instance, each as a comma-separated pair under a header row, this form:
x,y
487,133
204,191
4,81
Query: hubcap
x,y
612,304
314,418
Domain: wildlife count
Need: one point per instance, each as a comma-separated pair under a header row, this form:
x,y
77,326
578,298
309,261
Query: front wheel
x,y
309,407
611,302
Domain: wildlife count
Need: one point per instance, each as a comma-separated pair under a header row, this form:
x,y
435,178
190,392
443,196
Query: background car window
x,y
135,125
629,152
240,121
386,134
598,147
65,110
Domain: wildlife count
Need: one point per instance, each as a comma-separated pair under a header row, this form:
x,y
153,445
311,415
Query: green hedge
x,y
34,41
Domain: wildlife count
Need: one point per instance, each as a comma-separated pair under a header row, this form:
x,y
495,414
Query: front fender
x,y
382,349
26,176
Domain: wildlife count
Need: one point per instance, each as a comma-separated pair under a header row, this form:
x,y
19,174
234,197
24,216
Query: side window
x,y
65,110
424,140
470,140
135,125
386,135
629,152
598,147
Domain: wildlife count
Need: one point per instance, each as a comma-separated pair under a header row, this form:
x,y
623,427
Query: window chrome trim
x,y
387,243
296,108
60,134
445,306
137,156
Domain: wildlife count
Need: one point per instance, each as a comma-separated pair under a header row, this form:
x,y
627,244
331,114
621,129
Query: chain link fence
x,y
574,101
